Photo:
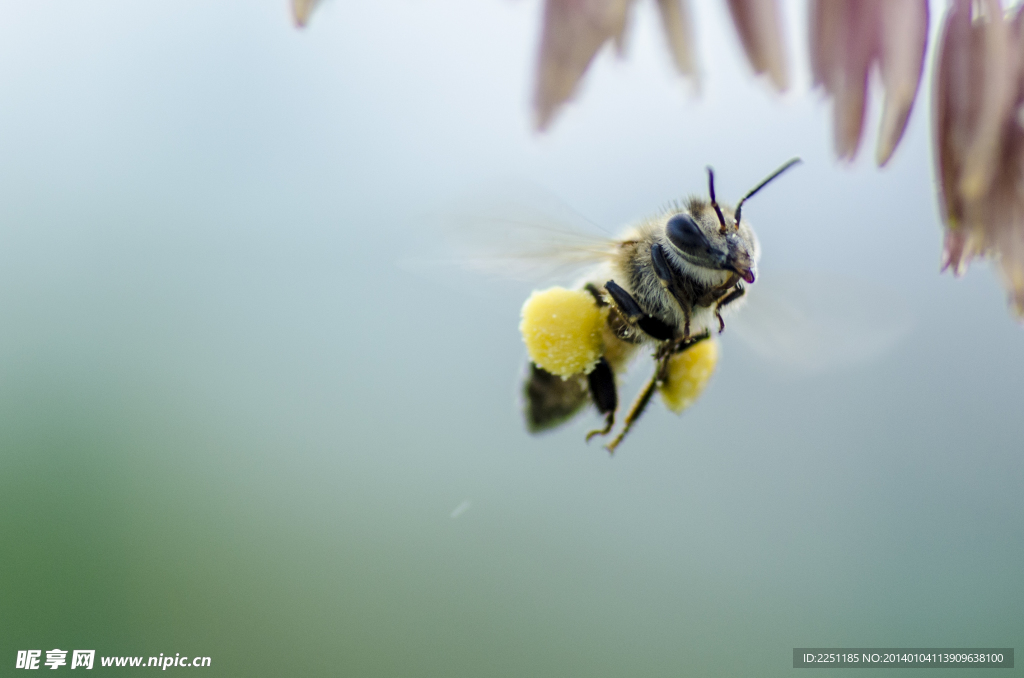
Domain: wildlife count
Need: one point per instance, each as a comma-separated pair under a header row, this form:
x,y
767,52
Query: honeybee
x,y
667,283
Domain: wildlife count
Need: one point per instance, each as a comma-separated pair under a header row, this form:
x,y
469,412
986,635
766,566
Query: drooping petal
x,y
995,225
953,252
826,24
843,46
904,37
958,79
848,37
851,78
574,31
996,220
302,10
1011,266
675,19
759,25
1007,238
975,83
979,166
979,140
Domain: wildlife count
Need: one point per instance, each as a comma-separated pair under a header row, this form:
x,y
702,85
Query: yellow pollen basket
x,y
562,330
688,374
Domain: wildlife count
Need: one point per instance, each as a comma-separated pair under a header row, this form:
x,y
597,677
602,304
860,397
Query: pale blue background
x,y
233,424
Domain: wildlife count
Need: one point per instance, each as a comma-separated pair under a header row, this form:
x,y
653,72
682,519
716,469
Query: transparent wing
x,y
528,249
815,322
532,239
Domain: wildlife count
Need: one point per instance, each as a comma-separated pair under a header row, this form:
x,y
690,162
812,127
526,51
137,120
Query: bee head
x,y
698,237
708,236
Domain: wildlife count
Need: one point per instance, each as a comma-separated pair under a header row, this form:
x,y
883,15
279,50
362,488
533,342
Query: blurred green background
x,y
234,423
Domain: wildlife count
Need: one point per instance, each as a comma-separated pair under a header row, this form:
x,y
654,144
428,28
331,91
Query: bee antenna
x,y
714,203
761,185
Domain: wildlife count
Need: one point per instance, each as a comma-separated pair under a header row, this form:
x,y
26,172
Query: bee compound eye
x,y
683,232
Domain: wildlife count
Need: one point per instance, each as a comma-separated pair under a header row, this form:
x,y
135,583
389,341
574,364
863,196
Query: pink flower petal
x,y
979,140
675,19
847,38
759,25
844,43
302,10
574,31
997,82
904,36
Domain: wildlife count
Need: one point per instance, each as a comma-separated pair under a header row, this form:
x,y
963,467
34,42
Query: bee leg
x,y
661,267
593,290
602,391
664,273
735,294
640,404
631,310
690,342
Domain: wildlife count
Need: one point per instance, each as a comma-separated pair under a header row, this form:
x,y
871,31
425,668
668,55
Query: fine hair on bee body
x,y
667,282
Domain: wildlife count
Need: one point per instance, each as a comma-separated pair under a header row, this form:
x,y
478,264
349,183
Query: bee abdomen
x,y
552,400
